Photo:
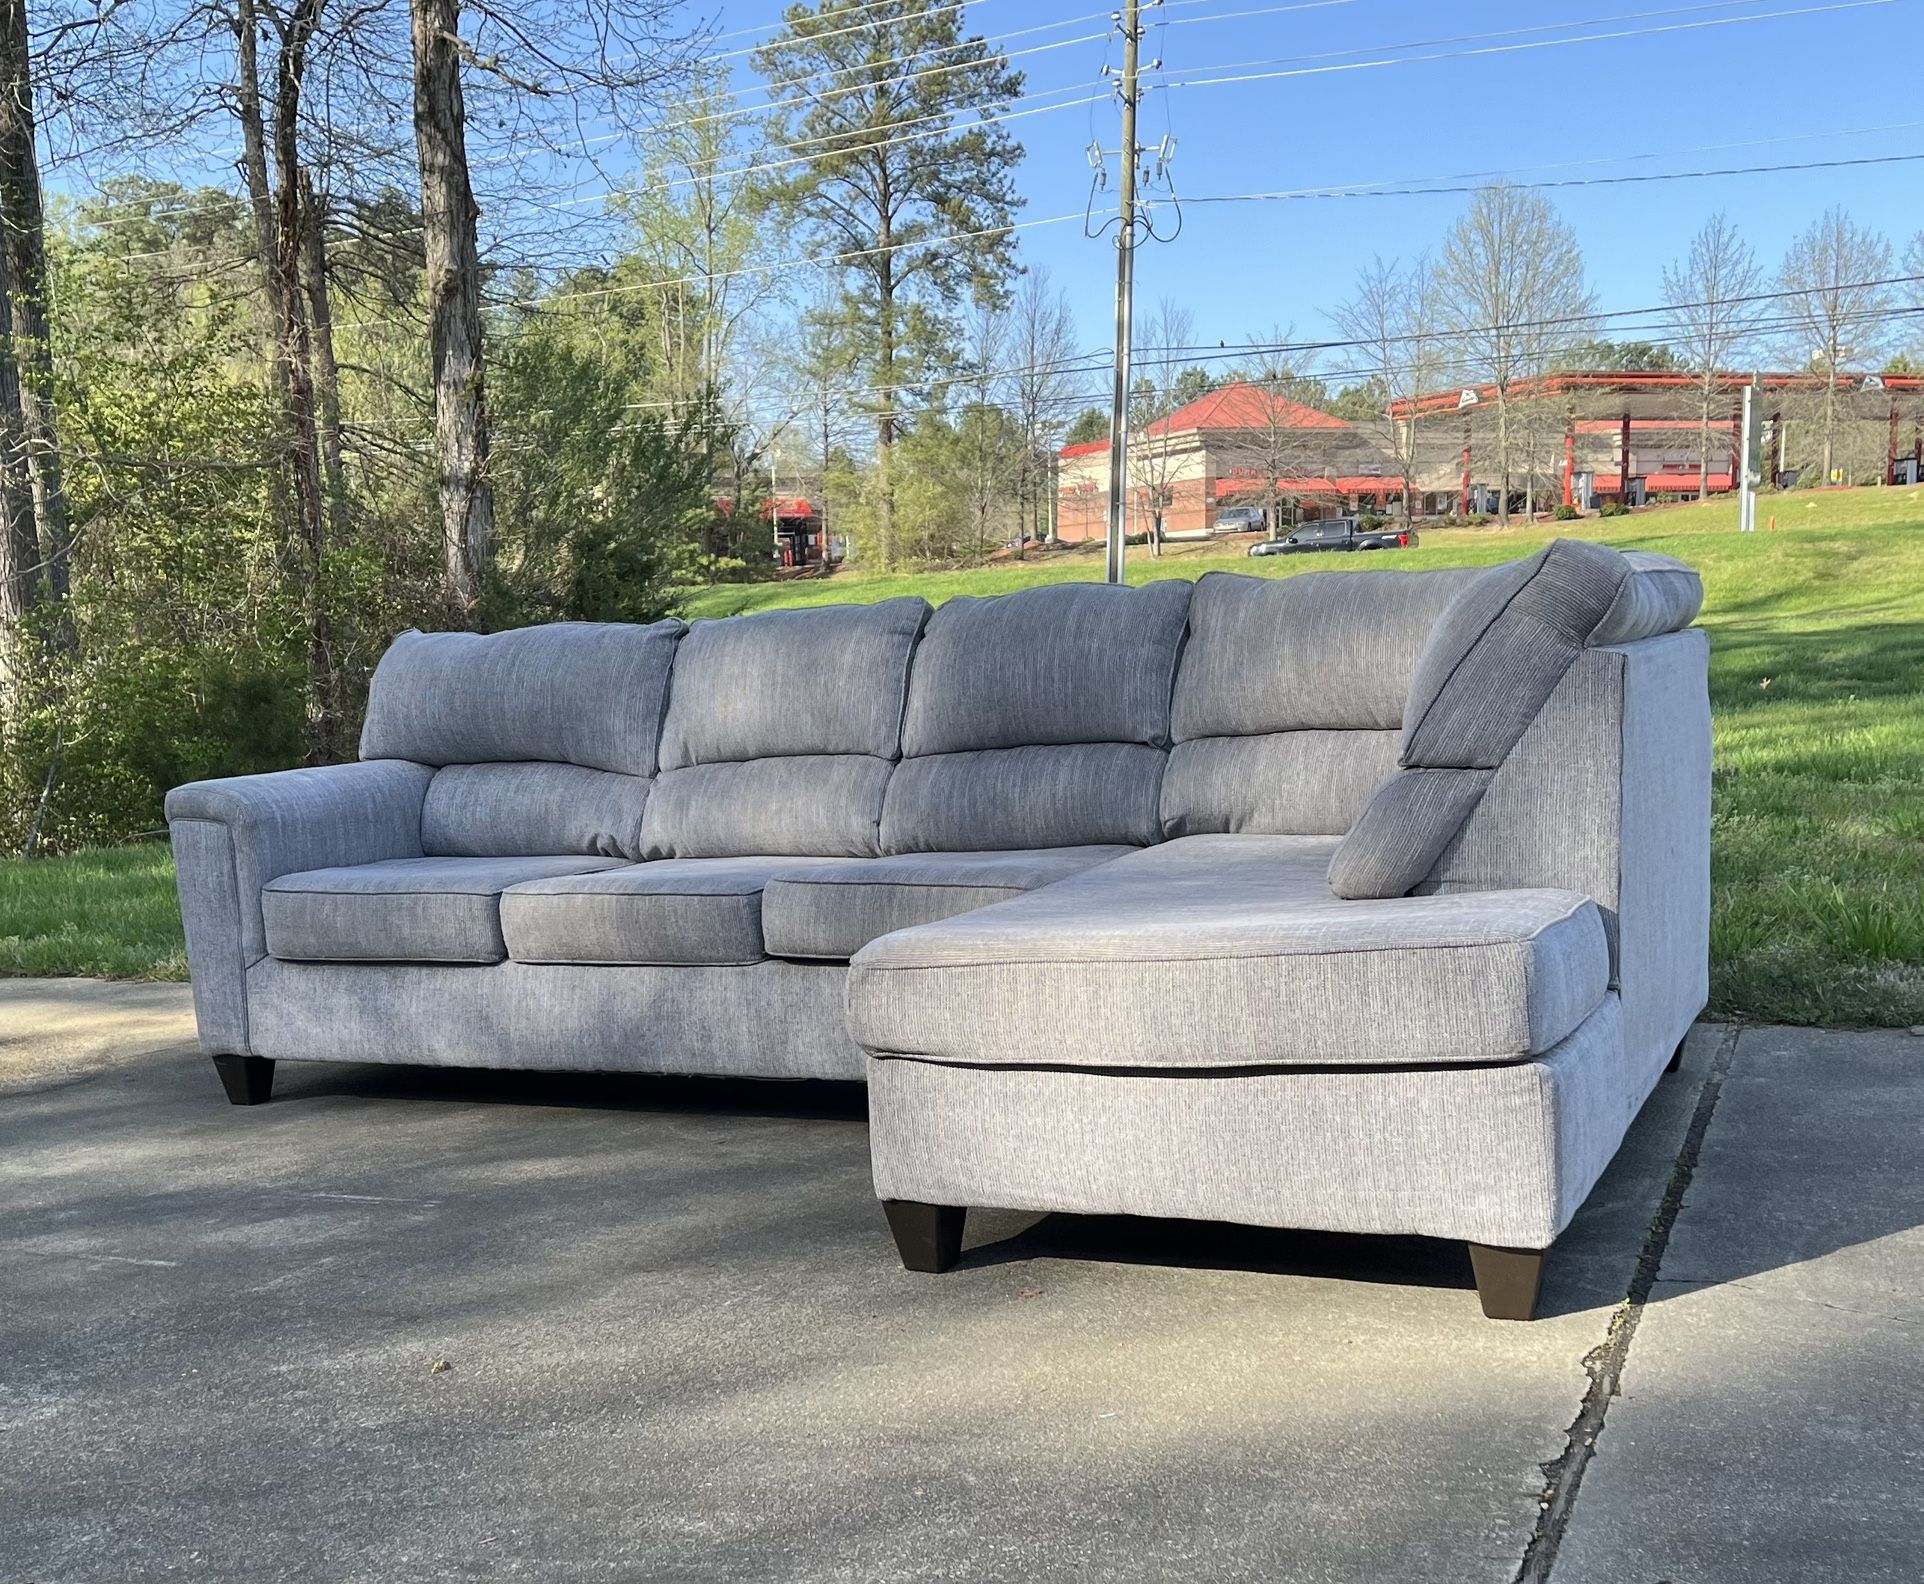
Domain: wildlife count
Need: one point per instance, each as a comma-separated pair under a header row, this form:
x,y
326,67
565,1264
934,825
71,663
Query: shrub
x,y
1565,512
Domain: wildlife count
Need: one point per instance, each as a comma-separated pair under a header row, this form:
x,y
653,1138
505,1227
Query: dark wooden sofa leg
x,y
248,1080
928,1237
1676,1056
1508,1280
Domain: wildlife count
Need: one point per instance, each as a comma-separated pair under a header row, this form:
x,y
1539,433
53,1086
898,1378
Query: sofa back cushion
x,y
1289,699
580,693
782,729
544,738
1038,719
1494,659
518,810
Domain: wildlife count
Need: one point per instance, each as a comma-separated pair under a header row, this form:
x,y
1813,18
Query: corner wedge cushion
x,y
1495,657
581,693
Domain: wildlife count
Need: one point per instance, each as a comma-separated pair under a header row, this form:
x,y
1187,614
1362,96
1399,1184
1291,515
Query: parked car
x,y
1241,519
1337,533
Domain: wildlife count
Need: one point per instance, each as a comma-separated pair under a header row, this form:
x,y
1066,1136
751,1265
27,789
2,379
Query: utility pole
x,y
1125,294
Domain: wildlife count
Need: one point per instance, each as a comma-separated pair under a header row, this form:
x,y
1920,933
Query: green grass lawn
x,y
1817,688
109,912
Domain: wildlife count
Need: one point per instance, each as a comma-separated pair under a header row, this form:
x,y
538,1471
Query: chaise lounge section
x,y
1057,871
1207,1029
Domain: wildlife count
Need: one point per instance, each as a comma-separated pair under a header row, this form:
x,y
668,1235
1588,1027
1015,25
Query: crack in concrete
x,y
1563,1476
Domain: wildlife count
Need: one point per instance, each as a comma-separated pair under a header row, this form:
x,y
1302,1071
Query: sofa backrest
x,y
544,739
1289,700
781,732
1038,719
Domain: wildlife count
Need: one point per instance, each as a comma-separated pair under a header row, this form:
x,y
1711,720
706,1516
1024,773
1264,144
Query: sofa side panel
x,y
1608,793
763,1020
1664,875
1499,1154
231,837
205,873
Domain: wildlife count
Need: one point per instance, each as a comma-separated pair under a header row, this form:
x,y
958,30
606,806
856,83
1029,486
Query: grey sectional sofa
x,y
1360,901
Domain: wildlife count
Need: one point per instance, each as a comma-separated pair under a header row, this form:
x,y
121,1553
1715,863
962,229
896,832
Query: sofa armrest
x,y
1608,793
233,836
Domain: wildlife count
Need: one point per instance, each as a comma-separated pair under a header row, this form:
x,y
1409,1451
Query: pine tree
x,y
902,172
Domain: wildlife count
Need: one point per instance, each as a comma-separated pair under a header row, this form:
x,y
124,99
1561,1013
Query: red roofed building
x,y
1239,446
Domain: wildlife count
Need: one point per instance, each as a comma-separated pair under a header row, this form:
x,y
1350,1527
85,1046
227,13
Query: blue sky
x,y
1788,87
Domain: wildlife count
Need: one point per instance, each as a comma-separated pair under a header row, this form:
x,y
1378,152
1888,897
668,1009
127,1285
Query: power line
x,y
1573,181
1534,44
1015,112
1091,362
1475,38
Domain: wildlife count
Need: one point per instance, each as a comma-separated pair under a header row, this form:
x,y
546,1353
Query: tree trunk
x,y
23,219
260,194
1703,447
1503,458
885,422
294,351
260,199
449,213
1409,468
20,583
327,374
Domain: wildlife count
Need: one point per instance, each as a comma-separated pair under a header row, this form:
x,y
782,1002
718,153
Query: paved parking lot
x,y
415,1324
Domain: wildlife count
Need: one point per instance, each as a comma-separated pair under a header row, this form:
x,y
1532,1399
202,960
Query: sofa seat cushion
x,y
402,909
672,910
1231,951
833,910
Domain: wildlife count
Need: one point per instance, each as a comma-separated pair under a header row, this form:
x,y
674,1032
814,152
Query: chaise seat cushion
x,y
1230,951
833,910
691,911
402,909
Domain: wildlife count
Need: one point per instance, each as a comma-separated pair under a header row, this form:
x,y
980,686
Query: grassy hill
x,y
1817,658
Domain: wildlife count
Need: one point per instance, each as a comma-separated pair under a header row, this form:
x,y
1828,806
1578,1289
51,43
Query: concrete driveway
x,y
414,1324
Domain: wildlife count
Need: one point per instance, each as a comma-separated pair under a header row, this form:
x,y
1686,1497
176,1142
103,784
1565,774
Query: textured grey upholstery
x,y
1500,649
769,1020
1608,793
233,836
1068,663
827,680
820,805
1662,595
1038,719
781,731
833,910
506,810
1289,698
1064,795
1500,1153
582,693
676,910
401,909
1491,663
1286,783
1062,1011
1329,650
1228,951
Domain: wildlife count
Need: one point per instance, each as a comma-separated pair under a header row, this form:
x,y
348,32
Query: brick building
x,y
1238,446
